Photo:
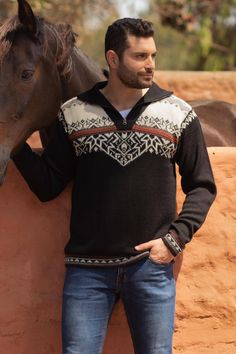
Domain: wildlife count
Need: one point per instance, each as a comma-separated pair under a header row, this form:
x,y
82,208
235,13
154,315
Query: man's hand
x,y
158,251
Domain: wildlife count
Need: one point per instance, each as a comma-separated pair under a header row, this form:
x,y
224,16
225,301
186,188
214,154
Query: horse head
x,y
34,56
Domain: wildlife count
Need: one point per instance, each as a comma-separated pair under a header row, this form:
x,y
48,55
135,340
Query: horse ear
x,y
26,16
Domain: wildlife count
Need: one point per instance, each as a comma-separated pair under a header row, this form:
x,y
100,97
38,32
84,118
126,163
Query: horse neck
x,y
85,73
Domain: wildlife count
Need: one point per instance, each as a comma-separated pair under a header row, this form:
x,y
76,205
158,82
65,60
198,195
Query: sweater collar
x,y
94,96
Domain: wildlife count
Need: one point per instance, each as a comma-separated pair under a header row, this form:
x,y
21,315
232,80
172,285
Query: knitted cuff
x,y
171,244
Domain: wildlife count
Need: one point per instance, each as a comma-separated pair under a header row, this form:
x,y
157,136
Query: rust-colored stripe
x,y
92,131
137,128
155,131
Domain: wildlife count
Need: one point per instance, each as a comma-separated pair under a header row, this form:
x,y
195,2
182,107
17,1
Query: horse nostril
x,y
16,116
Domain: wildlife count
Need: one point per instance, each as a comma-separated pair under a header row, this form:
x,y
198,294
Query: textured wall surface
x,y
32,238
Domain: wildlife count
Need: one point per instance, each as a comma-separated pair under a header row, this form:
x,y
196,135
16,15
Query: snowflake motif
x,y
125,148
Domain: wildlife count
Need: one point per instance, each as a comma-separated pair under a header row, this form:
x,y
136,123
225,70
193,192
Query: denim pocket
x,y
160,264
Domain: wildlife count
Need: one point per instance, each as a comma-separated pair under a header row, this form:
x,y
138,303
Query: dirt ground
x,y
195,85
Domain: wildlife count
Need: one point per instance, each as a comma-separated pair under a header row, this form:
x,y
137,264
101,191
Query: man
x,y
120,142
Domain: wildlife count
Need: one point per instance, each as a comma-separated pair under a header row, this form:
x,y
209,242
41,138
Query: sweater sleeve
x,y
196,179
48,174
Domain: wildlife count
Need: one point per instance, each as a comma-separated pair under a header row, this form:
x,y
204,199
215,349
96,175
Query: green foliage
x,y
214,63
205,37
190,35
172,49
92,40
211,23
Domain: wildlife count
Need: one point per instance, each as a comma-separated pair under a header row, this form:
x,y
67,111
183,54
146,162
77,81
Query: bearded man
x,y
120,143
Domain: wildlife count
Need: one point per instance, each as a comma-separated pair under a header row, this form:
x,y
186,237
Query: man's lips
x,y
147,74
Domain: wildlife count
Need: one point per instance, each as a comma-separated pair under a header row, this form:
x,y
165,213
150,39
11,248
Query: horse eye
x,y
26,75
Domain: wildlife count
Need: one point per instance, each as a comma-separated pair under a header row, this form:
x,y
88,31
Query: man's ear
x,y
112,59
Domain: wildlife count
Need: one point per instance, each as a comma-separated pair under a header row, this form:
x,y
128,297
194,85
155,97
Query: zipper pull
x,y
124,121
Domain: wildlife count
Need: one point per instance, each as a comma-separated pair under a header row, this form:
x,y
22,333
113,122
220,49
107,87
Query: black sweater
x,y
124,173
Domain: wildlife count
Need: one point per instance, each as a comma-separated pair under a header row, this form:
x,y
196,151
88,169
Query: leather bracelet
x,y
171,243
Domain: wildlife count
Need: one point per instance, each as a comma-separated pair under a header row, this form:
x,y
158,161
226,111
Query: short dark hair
x,y
118,31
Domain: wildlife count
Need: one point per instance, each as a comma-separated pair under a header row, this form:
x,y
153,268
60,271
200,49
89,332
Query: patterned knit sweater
x,y
124,174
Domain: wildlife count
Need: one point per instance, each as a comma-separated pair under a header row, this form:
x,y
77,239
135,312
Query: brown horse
x,y
40,68
218,121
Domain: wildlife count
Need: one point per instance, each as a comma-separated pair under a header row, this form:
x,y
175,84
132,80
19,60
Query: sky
x,y
131,8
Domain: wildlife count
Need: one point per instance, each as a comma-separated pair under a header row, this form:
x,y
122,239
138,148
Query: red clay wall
x,y
33,235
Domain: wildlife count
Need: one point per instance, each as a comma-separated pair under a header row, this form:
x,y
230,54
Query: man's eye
x,y
27,75
141,56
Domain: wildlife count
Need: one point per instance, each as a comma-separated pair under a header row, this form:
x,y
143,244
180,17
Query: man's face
x,y
136,67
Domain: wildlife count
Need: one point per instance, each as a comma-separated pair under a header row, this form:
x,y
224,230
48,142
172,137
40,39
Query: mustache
x,y
148,71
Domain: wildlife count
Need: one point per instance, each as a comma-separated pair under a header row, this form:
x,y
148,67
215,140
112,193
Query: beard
x,y
133,79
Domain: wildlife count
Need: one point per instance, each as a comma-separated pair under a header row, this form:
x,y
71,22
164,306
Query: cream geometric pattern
x,y
80,115
125,147
170,115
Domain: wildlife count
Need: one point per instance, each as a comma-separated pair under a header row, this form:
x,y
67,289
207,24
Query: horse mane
x,y
62,35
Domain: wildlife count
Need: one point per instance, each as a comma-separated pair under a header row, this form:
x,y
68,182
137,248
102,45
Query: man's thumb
x,y
144,246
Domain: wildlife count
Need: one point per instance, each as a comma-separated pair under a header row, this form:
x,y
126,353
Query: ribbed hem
x,y
103,262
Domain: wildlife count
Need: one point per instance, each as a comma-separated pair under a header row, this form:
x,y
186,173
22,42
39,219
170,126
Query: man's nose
x,y
150,63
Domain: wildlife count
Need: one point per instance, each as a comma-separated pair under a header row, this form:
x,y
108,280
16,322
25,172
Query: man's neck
x,y
121,96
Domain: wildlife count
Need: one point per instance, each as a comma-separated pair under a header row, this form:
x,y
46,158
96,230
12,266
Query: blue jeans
x,y
147,290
